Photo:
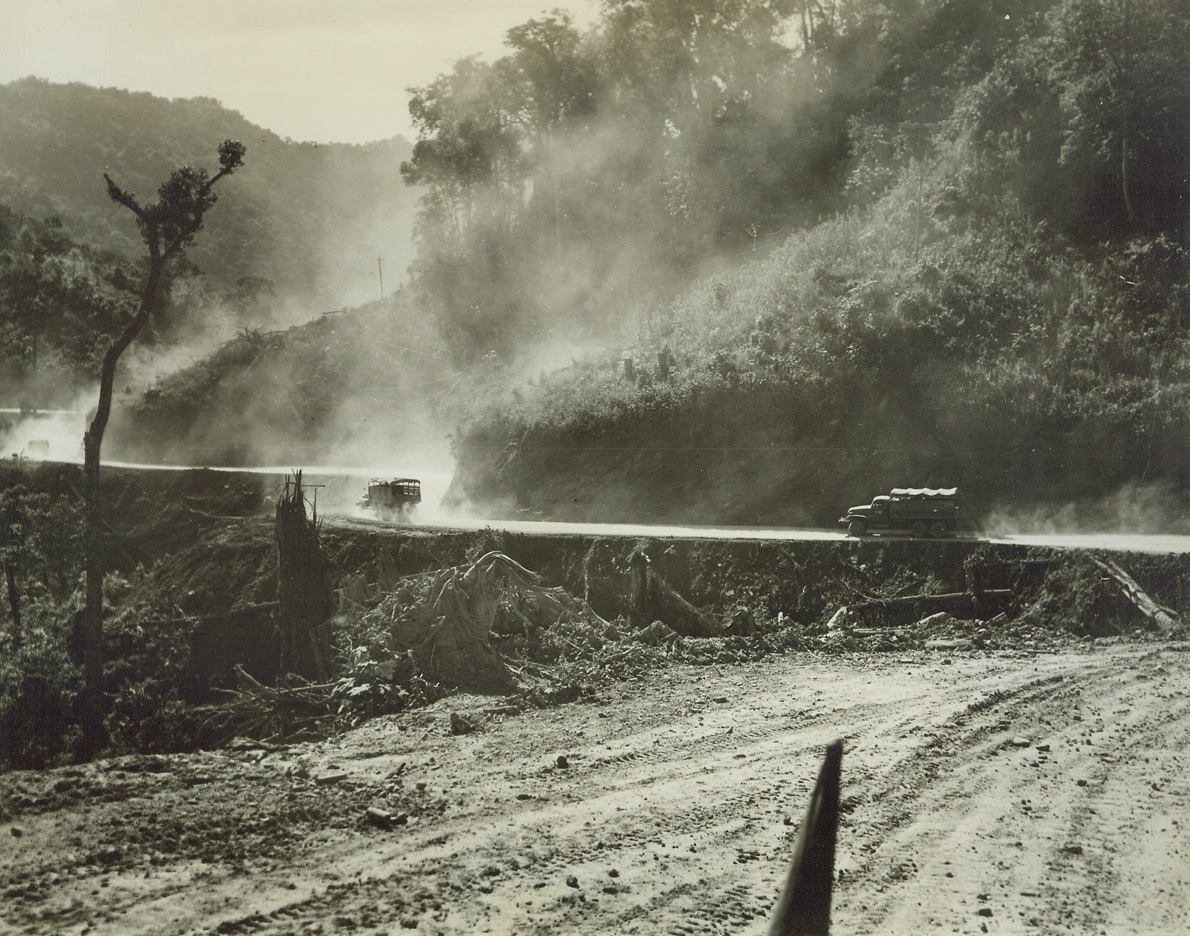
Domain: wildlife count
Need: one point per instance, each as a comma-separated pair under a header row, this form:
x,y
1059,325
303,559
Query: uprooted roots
x,y
448,635
429,638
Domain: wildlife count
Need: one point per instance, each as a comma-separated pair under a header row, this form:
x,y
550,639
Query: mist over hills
x,y
309,218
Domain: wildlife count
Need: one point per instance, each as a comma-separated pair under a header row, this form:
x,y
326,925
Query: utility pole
x,y
380,270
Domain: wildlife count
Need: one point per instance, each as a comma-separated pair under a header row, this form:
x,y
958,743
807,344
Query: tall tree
x,y
467,155
470,160
167,226
13,533
1122,68
548,80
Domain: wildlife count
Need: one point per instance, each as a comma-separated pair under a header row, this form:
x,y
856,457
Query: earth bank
x,y
193,598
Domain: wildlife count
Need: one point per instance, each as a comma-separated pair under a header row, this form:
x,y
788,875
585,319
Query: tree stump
x,y
305,586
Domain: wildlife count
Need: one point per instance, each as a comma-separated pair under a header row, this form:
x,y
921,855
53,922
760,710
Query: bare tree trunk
x,y
654,599
92,700
14,602
166,227
9,532
1125,180
93,708
1163,618
1126,102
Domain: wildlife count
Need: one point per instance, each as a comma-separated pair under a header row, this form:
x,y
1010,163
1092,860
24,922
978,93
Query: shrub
x,y
38,688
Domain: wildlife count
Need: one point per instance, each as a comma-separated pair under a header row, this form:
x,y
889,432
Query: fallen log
x,y
654,599
890,611
949,643
1163,618
637,592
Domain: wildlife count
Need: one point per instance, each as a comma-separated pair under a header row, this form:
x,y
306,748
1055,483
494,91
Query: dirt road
x,y
1010,792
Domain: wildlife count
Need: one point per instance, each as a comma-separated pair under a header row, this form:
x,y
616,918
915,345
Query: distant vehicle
x,y
920,511
393,500
38,448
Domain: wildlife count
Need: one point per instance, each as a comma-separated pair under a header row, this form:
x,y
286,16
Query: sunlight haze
x,y
305,69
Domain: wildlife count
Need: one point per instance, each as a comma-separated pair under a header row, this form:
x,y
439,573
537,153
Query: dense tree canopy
x,y
981,276
583,175
55,296
61,301
571,180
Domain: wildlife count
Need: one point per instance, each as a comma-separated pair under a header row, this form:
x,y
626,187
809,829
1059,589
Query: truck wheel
x,y
917,528
939,529
857,528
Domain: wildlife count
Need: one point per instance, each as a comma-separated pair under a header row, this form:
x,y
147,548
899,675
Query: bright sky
x,y
318,70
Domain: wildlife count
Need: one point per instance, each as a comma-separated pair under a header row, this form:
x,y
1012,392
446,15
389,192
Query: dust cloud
x,y
45,434
1152,507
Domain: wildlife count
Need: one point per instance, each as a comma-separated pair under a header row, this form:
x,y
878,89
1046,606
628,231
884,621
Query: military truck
x,y
919,511
393,500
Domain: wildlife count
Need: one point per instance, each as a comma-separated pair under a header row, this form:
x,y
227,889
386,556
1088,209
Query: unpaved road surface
x,y
1003,793
341,487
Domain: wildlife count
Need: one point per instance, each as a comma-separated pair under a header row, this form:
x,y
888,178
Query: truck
x,y
919,511
394,499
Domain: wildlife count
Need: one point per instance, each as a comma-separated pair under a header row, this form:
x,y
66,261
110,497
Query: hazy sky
x,y
320,70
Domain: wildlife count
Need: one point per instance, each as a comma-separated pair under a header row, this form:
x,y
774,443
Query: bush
x,y
148,717
148,672
38,688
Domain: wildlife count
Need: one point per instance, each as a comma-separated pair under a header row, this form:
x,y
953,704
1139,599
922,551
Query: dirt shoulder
x,y
983,792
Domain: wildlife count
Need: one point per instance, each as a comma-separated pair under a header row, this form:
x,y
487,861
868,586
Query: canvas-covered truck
x,y
918,511
393,500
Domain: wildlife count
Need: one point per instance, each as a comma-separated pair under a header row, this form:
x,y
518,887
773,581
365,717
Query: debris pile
x,y
1028,605
491,627
444,621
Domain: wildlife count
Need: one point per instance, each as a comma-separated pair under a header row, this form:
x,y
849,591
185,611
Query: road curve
x,y
339,499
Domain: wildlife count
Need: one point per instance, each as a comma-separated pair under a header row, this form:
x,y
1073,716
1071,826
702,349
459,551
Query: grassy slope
x,y
922,343
346,387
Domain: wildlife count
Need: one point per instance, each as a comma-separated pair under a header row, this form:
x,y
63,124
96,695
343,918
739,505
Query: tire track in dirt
x,y
1034,845
677,812
757,776
627,794
908,812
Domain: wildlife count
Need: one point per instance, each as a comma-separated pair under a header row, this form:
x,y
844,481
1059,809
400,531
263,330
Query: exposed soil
x,y
984,791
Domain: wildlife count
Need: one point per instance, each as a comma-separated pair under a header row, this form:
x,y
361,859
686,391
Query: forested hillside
x,y
58,300
983,279
354,388
788,255
62,301
307,218
577,183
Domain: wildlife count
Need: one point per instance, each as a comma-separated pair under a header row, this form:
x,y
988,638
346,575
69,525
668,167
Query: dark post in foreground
x,y
166,226
804,908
